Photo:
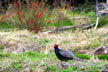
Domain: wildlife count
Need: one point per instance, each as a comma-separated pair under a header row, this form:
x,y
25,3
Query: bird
x,y
65,55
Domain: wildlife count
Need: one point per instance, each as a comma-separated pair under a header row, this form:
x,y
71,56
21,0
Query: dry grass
x,y
22,41
78,40
19,41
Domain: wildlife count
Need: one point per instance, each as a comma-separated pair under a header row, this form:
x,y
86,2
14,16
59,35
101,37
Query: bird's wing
x,y
66,53
70,53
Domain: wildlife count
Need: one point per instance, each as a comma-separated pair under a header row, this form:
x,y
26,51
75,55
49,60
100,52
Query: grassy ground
x,y
39,62
27,51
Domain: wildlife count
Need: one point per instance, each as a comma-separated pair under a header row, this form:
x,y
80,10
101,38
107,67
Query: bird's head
x,y
56,46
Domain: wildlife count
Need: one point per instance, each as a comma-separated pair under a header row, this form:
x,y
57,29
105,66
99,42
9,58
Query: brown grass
x,y
19,41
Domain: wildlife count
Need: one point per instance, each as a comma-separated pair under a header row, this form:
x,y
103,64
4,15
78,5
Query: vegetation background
x,y
26,45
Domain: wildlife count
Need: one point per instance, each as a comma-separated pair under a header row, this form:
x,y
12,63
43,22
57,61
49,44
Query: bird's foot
x,y
63,66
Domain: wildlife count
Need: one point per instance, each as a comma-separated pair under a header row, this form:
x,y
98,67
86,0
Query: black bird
x,y
65,55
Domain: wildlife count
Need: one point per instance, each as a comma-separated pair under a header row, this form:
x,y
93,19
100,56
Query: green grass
x,y
34,59
6,25
103,21
64,22
31,58
83,56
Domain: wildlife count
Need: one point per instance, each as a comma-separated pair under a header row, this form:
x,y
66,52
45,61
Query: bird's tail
x,y
78,59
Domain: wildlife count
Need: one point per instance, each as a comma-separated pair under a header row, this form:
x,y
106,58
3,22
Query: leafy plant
x,y
33,16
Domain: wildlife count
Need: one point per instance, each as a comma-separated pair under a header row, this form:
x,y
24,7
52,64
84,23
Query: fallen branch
x,y
87,27
79,18
63,27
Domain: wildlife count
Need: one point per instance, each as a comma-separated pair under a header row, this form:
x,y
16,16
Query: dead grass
x,y
19,41
22,41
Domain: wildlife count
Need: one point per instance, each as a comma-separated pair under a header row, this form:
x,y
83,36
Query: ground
x,y
26,51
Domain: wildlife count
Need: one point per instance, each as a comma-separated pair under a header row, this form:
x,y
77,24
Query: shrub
x,y
32,16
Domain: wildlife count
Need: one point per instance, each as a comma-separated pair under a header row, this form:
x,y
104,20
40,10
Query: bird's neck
x,y
56,49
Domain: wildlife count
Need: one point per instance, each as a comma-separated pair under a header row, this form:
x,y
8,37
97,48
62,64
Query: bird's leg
x,y
62,63
63,66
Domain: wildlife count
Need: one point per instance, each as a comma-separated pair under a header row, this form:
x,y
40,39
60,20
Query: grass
x,y
83,56
37,53
73,41
64,22
26,51
103,21
31,60
16,60
41,61
5,25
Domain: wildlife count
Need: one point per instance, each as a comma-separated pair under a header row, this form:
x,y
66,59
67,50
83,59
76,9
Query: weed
x,y
83,56
51,68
